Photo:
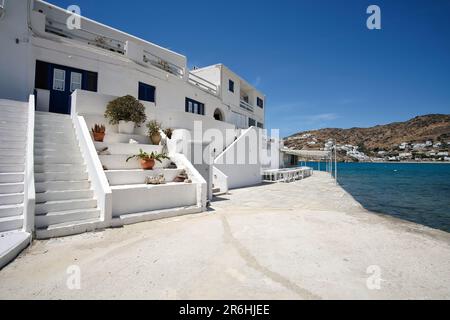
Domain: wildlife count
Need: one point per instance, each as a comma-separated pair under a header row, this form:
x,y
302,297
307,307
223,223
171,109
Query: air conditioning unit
x,y
2,8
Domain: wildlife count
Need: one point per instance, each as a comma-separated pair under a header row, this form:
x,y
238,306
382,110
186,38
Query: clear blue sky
x,y
315,59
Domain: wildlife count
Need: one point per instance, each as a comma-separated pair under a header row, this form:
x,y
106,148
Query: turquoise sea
x,y
414,192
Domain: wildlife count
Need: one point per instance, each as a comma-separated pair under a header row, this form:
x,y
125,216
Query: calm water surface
x,y
415,192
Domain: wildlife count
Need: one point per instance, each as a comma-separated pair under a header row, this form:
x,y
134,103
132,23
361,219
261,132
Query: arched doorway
x,y
218,115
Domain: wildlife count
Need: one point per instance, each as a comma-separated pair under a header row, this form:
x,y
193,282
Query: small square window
x,y
251,122
231,85
146,92
260,102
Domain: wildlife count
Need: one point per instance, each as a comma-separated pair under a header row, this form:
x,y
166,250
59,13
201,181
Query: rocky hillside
x,y
413,134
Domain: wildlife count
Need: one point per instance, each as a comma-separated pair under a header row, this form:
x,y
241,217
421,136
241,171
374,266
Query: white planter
x,y
126,127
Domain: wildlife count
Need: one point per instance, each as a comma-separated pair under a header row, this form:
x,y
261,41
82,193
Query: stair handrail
x,y
100,184
29,186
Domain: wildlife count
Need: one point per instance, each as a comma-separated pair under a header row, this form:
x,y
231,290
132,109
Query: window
x,y
260,102
91,81
231,85
196,107
42,75
251,122
59,80
260,125
146,92
75,81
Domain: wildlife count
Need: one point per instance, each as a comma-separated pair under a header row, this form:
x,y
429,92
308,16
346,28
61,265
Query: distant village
x,y
427,151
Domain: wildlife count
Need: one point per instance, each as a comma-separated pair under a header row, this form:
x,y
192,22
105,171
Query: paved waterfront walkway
x,y
306,240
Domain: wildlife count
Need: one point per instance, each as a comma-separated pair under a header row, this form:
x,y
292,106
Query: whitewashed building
x,y
55,83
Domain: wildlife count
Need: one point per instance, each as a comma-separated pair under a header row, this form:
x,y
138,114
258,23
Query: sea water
x,y
416,192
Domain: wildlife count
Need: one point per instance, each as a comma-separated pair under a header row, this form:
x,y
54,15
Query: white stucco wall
x,y
15,53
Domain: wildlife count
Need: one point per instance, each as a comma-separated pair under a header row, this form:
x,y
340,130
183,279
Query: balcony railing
x,y
110,44
91,38
203,84
162,64
247,106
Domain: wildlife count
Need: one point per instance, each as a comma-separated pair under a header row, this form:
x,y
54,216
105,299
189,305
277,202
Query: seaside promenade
x,y
305,240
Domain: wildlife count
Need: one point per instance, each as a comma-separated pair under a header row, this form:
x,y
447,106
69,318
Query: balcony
x,y
203,84
247,106
52,20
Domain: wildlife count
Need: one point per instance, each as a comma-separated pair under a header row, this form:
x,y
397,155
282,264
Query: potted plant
x,y
127,112
148,160
153,132
168,132
99,132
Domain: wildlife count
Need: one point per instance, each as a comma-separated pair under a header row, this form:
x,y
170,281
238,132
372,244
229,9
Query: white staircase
x,y
133,200
13,145
65,202
13,133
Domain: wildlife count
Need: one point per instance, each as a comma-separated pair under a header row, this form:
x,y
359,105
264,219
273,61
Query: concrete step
x,y
125,138
42,168
7,159
45,144
126,148
10,168
64,140
68,159
138,176
18,122
56,152
6,140
119,162
61,176
63,205
11,199
11,223
7,188
11,244
12,133
59,135
67,229
64,195
51,115
62,186
11,177
13,106
11,210
19,152
6,113
132,218
13,112
55,218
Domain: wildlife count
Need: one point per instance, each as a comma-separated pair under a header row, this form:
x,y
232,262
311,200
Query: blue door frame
x,y
60,91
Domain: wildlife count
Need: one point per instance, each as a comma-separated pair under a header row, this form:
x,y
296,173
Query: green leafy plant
x,y
142,155
168,132
98,128
153,128
125,108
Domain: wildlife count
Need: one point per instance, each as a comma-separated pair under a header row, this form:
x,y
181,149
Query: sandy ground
x,y
307,240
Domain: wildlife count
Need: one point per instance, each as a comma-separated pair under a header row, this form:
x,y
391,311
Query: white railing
x,y
102,190
247,106
182,162
29,188
203,84
91,38
162,64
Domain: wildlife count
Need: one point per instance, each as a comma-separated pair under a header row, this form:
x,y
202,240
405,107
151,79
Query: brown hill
x,y
434,127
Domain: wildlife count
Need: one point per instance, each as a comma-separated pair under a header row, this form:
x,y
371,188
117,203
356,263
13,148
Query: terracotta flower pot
x,y
155,138
147,164
99,136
